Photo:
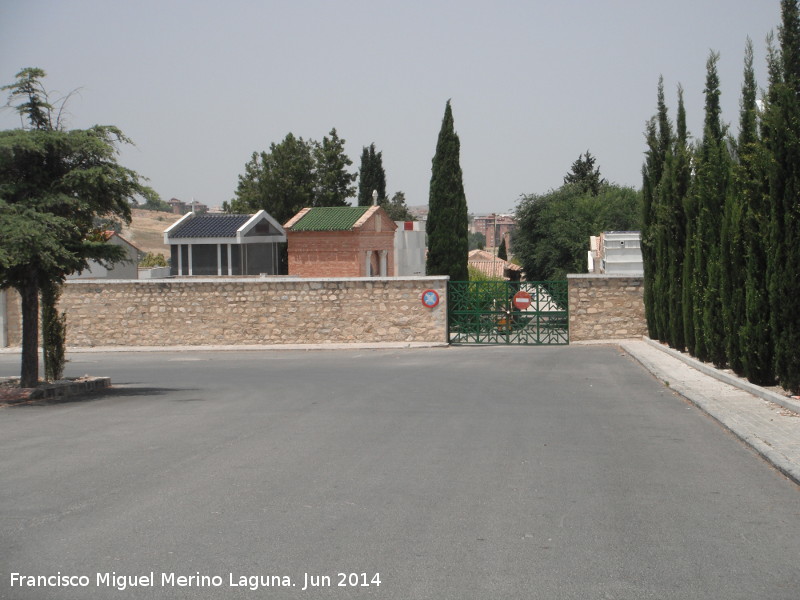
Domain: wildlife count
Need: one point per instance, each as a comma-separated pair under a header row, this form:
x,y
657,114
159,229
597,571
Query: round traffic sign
x,y
522,300
430,298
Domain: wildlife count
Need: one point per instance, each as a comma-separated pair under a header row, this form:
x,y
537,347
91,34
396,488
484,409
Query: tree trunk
x,y
29,375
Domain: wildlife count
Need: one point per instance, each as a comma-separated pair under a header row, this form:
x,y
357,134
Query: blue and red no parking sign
x,y
430,298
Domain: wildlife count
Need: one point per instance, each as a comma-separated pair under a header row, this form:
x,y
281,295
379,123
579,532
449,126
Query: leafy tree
x,y
448,222
333,182
156,204
371,177
295,174
396,208
585,175
53,184
783,116
151,259
553,229
281,181
477,241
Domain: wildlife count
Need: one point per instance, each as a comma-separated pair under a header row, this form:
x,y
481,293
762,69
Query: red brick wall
x,y
336,253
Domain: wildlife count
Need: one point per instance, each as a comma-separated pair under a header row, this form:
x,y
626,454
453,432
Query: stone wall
x,y
603,307
241,311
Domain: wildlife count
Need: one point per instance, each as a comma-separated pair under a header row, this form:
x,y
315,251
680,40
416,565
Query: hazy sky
x,y
199,85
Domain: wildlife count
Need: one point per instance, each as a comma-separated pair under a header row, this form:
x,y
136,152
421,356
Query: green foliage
x,y
501,251
371,177
34,103
156,204
448,222
553,229
333,182
745,181
740,223
750,180
294,174
54,184
280,181
783,142
151,259
396,208
711,188
655,233
54,332
477,241
584,174
475,274
676,188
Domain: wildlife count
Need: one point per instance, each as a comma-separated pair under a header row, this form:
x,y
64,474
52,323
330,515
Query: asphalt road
x,y
463,473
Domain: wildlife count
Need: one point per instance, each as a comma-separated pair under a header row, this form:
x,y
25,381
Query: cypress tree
x,y
713,174
784,181
679,180
448,224
654,238
733,250
661,253
54,331
502,253
371,176
649,174
750,180
662,242
688,297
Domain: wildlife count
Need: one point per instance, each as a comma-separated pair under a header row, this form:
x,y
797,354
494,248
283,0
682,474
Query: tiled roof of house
x,y
210,226
323,218
490,265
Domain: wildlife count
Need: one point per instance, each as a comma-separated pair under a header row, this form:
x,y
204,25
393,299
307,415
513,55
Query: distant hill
x,y
146,230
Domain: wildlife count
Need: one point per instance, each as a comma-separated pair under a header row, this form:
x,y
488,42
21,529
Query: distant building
x,y
126,269
179,207
494,228
616,253
342,241
225,244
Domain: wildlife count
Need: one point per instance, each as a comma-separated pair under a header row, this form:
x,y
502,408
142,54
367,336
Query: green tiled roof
x,y
339,218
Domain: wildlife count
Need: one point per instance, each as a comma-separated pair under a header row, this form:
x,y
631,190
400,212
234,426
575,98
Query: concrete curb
x,y
249,348
64,389
729,378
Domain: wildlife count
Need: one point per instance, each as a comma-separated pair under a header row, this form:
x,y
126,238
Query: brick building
x,y
346,241
494,227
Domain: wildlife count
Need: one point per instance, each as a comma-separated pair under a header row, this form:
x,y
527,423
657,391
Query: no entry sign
x,y
522,300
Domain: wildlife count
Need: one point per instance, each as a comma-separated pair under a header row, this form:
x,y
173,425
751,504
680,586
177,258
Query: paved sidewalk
x,y
770,429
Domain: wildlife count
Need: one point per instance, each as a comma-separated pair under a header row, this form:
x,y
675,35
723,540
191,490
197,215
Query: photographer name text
x,y
122,582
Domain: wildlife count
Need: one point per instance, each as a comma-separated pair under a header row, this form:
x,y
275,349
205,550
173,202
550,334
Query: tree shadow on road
x,y
120,390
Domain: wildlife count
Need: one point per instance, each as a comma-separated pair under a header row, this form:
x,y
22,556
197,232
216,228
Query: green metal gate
x,y
507,312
